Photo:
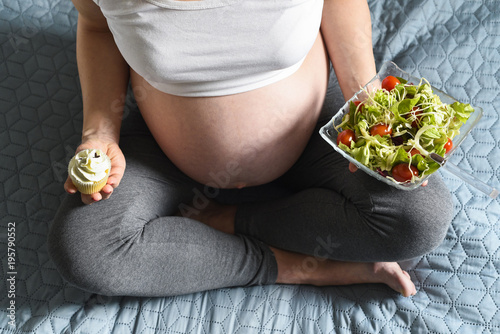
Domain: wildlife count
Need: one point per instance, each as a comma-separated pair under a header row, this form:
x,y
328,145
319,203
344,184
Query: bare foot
x,y
301,269
391,274
218,216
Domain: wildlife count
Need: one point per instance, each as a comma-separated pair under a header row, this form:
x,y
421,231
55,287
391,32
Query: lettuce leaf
x,y
462,111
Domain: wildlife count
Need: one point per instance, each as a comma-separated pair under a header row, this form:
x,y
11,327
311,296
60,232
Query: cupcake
x,y
89,170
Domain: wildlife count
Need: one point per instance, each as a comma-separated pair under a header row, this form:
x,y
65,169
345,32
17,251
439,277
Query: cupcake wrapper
x,y
90,188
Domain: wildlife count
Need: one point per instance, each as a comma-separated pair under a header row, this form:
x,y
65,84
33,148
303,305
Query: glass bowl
x,y
329,133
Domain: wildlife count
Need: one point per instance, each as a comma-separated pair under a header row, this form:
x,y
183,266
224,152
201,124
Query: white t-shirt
x,y
213,47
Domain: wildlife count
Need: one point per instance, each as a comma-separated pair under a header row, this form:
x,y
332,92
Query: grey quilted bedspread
x,y
455,44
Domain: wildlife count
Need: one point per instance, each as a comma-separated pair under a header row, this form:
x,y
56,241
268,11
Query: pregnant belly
x,y
243,139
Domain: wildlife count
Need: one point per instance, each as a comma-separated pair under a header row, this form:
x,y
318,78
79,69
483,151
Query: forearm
x,y
346,29
104,78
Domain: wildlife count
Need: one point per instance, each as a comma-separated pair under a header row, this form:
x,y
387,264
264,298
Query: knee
x,y
80,256
420,221
423,233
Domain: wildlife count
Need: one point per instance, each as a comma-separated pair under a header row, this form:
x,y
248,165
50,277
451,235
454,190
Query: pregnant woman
x,y
233,93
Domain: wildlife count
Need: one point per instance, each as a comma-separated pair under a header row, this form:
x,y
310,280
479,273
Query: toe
x,y
396,278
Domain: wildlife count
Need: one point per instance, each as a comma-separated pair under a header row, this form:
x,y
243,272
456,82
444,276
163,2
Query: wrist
x,y
356,78
100,135
101,128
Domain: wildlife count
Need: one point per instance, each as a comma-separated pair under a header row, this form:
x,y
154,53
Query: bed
x,y
455,44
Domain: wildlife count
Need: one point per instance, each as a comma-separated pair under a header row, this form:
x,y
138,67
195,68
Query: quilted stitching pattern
x,y
454,44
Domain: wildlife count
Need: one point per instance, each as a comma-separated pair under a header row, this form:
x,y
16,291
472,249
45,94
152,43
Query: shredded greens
x,y
418,119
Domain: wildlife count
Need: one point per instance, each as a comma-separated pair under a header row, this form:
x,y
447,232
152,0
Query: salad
x,y
395,128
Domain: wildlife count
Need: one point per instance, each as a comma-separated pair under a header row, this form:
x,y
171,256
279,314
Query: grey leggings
x,y
131,244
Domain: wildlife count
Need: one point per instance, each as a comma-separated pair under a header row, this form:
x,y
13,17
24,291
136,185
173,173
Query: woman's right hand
x,y
117,158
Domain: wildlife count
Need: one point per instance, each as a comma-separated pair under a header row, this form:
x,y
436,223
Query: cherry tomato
x,y
414,151
346,137
390,82
448,146
357,103
403,172
381,130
